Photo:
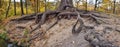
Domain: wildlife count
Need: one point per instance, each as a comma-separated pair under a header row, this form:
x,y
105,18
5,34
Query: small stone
x,y
73,42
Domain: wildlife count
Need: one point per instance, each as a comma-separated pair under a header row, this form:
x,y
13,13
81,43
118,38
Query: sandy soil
x,y
61,34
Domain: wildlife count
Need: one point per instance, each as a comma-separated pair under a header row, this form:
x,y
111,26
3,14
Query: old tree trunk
x,y
66,10
64,3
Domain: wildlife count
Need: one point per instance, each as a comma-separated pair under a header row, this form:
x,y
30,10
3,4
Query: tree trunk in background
x,y
114,8
8,8
65,2
21,4
95,8
37,6
14,7
26,6
45,5
86,6
34,6
0,3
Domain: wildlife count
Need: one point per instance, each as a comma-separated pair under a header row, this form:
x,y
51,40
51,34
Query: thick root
x,y
41,18
26,17
96,40
80,27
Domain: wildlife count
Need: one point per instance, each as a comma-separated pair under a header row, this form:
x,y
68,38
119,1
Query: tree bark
x,y
86,6
37,5
21,4
0,3
45,5
14,7
65,3
95,8
8,8
26,6
114,6
35,11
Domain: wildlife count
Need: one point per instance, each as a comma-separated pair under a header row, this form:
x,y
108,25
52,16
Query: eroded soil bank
x,y
61,36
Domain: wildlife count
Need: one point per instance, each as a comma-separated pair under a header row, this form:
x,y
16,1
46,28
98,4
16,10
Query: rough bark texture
x,y
14,7
21,4
64,3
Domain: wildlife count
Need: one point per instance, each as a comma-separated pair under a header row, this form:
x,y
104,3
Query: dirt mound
x,y
103,35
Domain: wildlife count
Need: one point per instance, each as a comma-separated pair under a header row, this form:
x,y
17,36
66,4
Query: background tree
x,y
45,5
14,7
21,4
114,8
0,3
26,2
95,8
86,5
8,8
37,5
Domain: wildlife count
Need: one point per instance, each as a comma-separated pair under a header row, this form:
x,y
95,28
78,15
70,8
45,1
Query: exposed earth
x,y
61,34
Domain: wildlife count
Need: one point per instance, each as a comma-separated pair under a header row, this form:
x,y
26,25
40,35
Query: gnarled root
x,y
67,12
96,40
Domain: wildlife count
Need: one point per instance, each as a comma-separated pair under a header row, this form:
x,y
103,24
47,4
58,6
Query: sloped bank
x,y
103,35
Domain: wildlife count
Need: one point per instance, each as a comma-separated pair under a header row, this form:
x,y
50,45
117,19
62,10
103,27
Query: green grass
x,y
3,34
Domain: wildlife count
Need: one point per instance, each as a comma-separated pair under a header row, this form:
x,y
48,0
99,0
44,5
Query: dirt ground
x,y
61,34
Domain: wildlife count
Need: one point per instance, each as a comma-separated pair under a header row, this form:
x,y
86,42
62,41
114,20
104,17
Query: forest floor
x,y
61,34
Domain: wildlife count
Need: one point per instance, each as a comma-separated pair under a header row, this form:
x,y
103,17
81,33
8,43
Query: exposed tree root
x,y
81,25
26,17
96,40
36,36
53,24
67,12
